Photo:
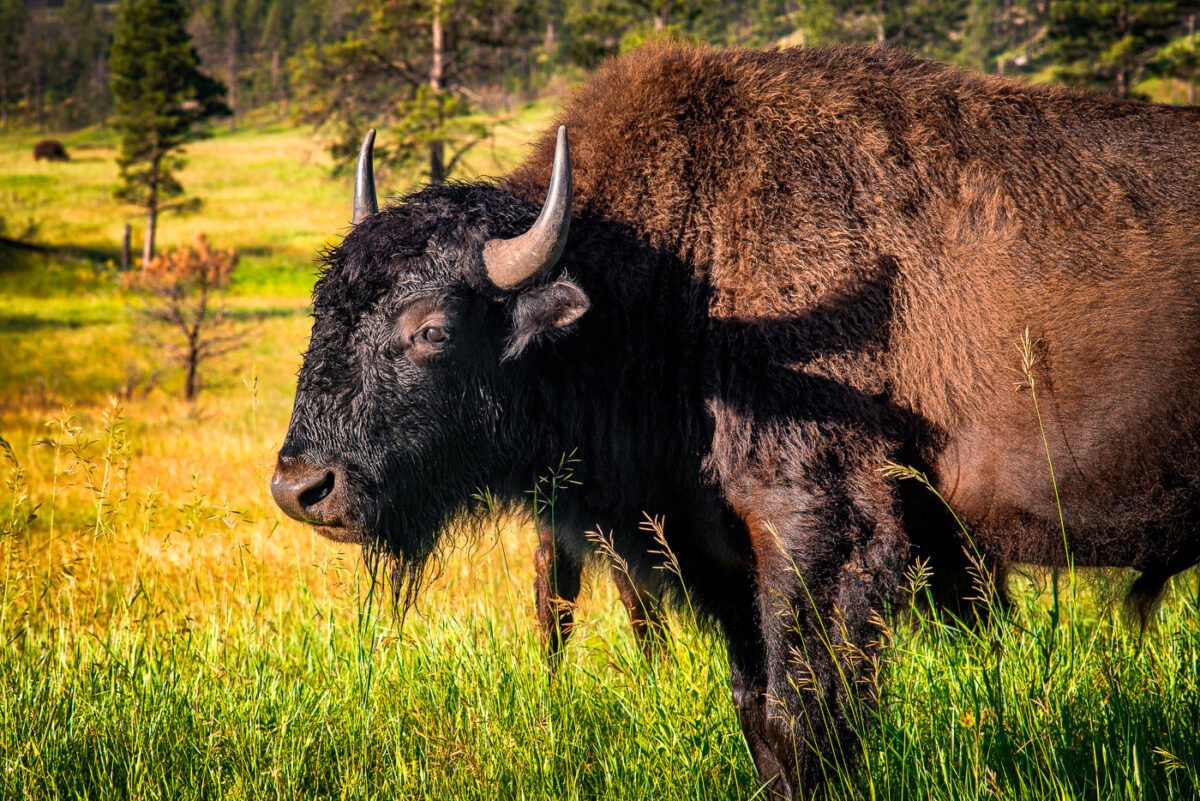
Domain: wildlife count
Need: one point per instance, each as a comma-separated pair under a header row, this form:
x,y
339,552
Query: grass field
x,y
168,634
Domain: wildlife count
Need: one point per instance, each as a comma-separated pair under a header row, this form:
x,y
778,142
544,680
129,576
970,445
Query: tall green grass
x,y
159,648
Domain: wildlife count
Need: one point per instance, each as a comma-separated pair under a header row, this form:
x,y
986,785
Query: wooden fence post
x,y
125,248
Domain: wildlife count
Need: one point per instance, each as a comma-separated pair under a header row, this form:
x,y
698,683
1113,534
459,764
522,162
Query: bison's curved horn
x,y
511,263
364,180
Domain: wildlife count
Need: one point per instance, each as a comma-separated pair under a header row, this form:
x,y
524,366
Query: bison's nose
x,y
310,493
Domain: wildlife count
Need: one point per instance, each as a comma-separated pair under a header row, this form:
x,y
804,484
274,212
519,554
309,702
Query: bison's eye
x,y
433,335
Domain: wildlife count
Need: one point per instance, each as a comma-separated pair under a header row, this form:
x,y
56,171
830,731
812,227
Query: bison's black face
x,y
421,321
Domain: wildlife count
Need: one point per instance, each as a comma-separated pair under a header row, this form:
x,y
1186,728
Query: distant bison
x,y
764,277
50,150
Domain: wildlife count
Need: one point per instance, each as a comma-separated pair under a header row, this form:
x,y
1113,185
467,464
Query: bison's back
x,y
942,213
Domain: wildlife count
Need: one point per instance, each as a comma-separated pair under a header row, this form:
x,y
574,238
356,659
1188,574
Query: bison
x,y
756,280
50,150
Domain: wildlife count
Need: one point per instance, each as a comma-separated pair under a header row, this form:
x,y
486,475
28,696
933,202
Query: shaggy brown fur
x,y
791,180
784,270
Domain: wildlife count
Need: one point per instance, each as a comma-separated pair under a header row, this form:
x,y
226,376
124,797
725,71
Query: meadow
x,y
167,633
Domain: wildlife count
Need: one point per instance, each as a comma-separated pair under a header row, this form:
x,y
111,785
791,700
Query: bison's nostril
x,y
318,492
310,493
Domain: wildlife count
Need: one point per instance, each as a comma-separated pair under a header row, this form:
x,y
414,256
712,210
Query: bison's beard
x,y
405,537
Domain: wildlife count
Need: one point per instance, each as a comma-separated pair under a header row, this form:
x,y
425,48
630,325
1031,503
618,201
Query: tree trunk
x,y
40,90
1192,72
151,214
660,19
437,72
549,41
97,80
231,42
189,384
275,83
437,163
148,245
126,236
34,93
4,100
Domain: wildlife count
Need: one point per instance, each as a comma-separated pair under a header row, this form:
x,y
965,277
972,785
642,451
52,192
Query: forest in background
x,y
444,57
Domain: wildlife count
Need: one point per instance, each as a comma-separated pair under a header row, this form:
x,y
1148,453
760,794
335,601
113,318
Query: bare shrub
x,y
183,291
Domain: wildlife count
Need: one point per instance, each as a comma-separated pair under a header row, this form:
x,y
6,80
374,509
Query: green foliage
x,y
595,34
641,36
162,100
1181,59
88,43
1106,43
979,36
409,64
431,117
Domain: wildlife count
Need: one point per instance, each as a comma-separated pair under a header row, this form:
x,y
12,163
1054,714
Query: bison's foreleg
x,y
556,586
748,685
827,563
961,580
645,613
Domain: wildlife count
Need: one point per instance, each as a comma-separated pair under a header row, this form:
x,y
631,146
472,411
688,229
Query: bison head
x,y
422,319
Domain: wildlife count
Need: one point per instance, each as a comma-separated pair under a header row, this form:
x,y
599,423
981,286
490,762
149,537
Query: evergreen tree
x,y
595,31
162,102
363,62
929,27
409,64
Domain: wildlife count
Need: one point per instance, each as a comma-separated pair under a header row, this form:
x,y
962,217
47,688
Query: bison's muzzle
x,y
314,494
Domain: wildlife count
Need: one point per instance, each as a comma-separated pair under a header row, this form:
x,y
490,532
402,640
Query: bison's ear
x,y
544,310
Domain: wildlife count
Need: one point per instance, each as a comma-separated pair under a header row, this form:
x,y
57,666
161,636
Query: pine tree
x,y
162,102
407,65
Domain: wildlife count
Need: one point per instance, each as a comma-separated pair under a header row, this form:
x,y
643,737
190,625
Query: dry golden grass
x,y
71,341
